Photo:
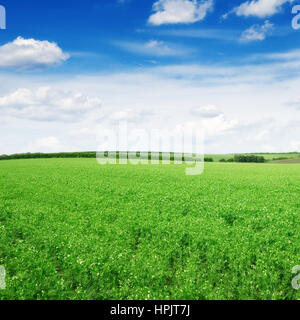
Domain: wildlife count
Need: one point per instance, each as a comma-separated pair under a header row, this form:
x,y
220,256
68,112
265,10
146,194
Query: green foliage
x,y
249,158
228,160
280,158
73,229
123,155
208,158
267,156
48,155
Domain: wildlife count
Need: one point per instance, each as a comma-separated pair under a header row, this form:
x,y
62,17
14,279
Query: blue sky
x,y
97,27
230,67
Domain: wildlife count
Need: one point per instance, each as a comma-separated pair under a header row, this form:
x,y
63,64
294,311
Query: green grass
x,y
288,161
72,229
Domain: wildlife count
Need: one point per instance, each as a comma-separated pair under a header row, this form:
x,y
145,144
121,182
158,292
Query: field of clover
x,y
73,229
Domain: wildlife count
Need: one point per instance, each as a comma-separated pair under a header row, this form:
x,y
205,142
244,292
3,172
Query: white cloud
x,y
218,125
288,55
124,115
30,54
129,115
259,8
294,103
295,145
48,144
153,48
46,104
154,44
203,33
257,32
179,11
245,93
212,127
81,131
260,136
208,111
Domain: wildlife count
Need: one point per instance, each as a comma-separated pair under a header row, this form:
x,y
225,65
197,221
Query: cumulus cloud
x,y
47,144
213,121
31,54
46,104
259,8
208,111
257,32
129,115
218,125
247,92
179,11
212,127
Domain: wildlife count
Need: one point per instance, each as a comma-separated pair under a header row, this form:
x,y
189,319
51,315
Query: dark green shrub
x,y
249,158
280,158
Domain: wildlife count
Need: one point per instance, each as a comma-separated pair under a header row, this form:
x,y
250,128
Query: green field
x,y
72,229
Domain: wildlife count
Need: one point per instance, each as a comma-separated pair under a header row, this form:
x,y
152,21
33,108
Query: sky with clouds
x,y
230,67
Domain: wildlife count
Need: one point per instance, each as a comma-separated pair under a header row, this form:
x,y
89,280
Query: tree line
x,y
126,155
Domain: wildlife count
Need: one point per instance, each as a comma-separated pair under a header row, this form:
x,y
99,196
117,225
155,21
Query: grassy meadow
x,y
72,229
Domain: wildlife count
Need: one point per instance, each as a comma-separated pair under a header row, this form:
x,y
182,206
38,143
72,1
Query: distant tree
x,y
249,158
